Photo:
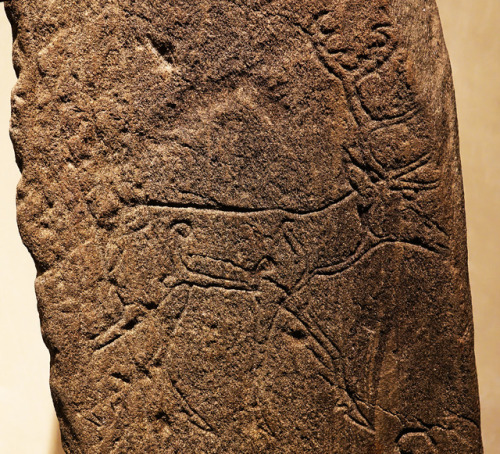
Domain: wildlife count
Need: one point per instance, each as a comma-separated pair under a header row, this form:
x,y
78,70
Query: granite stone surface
x,y
248,224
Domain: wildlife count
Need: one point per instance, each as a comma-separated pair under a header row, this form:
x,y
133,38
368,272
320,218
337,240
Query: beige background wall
x,y
26,415
27,422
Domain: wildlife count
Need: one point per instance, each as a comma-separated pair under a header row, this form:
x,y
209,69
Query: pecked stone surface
x,y
247,220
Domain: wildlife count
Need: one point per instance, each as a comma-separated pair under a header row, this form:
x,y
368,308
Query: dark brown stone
x,y
247,218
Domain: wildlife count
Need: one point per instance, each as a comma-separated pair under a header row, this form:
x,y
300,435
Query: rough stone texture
x,y
247,219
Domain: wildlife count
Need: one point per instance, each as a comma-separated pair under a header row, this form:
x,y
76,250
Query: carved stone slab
x,y
247,219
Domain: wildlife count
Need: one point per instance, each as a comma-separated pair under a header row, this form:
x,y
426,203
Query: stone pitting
x,y
247,219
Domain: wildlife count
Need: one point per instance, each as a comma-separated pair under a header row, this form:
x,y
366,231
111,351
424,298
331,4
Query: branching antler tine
x,y
427,186
415,165
376,166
